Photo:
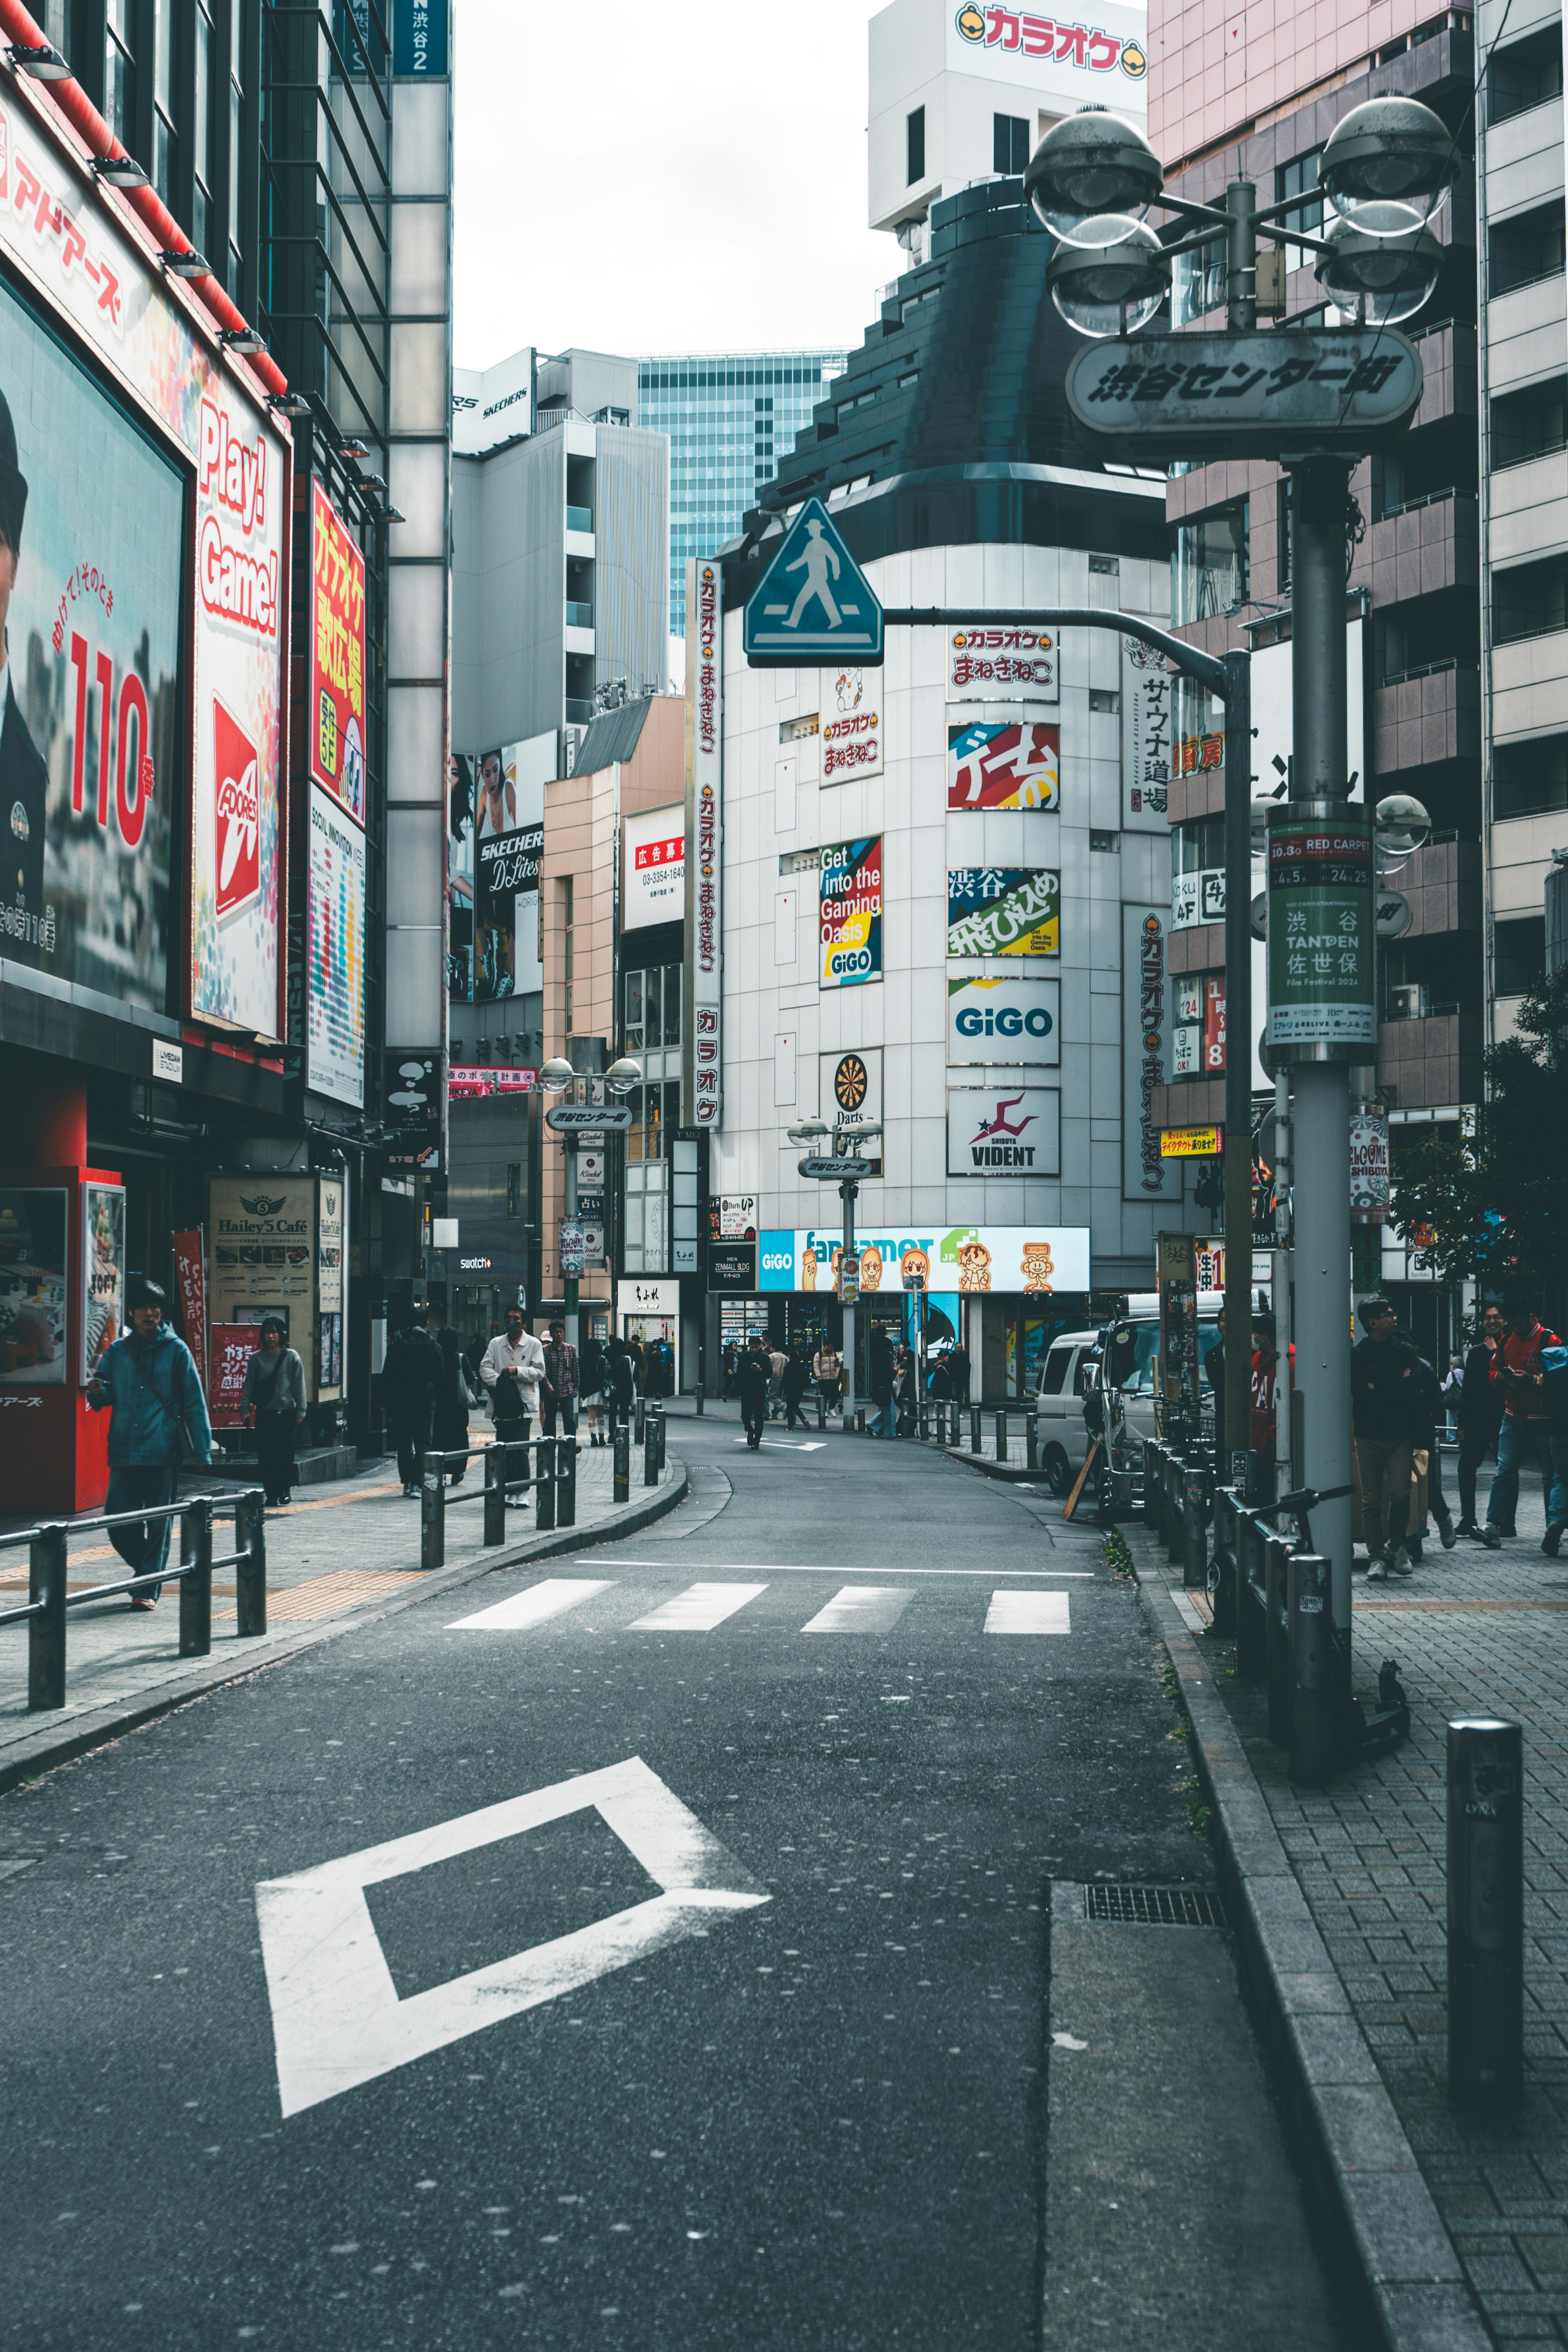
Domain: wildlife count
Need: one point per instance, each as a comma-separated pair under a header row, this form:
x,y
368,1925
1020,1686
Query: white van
x,y
1072,1368
1059,1401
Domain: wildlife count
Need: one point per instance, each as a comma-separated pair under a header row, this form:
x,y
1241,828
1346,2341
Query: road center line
x,y
773,1567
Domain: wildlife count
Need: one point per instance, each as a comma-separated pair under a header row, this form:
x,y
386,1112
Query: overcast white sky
x,y
633,176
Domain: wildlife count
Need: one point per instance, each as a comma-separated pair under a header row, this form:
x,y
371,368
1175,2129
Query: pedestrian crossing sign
x,y
813,603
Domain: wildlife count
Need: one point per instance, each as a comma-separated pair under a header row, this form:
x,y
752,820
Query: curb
x,y
1014,1473
1387,2238
29,1758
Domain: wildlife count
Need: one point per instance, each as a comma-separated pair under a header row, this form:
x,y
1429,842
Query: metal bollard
x,y
196,1585
973,1429
1277,1636
622,1484
642,1417
664,1436
47,1631
821,1410
1176,1536
1227,1553
1312,1682
1153,1477
1194,1548
495,1497
566,1497
1486,1909
1031,1438
1251,1622
250,1577
860,1421
432,1511
1001,1437
651,1452
544,1484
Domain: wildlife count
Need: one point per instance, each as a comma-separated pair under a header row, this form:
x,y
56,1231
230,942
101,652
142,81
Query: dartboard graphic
x,y
850,1083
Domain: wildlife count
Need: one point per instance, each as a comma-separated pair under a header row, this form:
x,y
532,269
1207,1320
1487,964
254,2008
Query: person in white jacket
x,y
511,1367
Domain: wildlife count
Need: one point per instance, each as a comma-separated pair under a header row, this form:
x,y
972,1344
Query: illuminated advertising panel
x,y
653,868
335,991
336,709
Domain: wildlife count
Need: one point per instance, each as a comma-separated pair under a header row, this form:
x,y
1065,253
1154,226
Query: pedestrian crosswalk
x,y
702,1608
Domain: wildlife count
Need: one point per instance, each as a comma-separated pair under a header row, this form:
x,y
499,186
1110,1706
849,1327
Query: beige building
x,y
612,908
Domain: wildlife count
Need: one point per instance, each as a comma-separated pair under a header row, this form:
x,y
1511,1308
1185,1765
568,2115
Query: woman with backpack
x,y
274,1396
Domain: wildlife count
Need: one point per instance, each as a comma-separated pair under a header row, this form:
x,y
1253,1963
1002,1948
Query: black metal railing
x,y
48,1599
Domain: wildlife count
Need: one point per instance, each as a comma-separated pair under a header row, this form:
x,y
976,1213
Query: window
x,y
1529,599
163,99
1435,462
1519,954
1198,281
1299,178
1439,631
119,69
1283,529
201,104
1525,74
1057,1366
1010,142
514,1188
568,954
1209,566
1527,248
915,146
1530,778
1529,423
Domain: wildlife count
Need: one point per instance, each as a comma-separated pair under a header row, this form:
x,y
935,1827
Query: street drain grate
x,y
1156,1907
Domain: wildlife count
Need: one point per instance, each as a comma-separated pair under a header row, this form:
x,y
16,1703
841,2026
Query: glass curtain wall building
x,y
730,417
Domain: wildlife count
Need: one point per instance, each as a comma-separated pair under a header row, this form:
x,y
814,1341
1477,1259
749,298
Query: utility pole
x,y
849,1276
1234,1450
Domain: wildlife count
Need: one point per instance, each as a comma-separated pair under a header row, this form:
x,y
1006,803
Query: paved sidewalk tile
x,y
1473,1632
336,1548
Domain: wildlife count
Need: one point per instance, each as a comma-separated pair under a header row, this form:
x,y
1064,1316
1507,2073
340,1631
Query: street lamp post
x,y
843,1167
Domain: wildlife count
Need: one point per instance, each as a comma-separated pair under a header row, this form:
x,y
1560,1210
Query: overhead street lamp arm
x,y
1191,658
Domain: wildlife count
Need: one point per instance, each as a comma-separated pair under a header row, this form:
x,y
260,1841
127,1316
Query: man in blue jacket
x,y
148,1382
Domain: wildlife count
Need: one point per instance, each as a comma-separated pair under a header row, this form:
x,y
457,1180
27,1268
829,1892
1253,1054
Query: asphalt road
x,y
762,2047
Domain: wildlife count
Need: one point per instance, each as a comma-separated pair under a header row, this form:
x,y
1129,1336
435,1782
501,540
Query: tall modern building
x,y
731,417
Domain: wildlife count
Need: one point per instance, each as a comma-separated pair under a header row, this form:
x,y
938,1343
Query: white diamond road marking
x,y
1028,1612
337,2021
698,1609
790,1445
861,1609
535,1606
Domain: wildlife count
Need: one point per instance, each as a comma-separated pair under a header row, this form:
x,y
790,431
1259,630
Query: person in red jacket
x,y
1265,1400
1527,1428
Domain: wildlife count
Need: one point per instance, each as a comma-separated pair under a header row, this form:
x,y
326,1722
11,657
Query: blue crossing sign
x,y
813,603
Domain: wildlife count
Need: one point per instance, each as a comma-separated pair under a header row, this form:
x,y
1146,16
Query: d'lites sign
x,y
1347,390
1191,1142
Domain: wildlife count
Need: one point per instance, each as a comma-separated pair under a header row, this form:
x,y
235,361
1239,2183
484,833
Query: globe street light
x,y
556,1074
624,1074
1383,261
1092,165
1390,150
1113,280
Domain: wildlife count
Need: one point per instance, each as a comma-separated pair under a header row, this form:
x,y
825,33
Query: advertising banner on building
x,y
103,1272
33,1248
1001,665
336,709
1004,1131
1000,763
999,1258
732,1269
1004,1021
415,1089
190,1285
850,932
1198,896
849,1087
262,1234
91,733
507,907
732,1217
1004,910
851,724
705,833
1146,721
232,1346
1320,930
1100,61
460,879
331,1286
653,867
469,1081
335,963
1369,1164
1146,1026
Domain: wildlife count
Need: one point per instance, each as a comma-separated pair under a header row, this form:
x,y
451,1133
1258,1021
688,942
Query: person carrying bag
x,y
274,1395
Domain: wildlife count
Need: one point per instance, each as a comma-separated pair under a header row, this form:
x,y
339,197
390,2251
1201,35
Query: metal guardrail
x,y
44,1610
553,1484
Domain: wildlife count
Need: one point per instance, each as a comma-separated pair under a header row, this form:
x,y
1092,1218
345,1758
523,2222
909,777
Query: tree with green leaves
x,y
1492,1207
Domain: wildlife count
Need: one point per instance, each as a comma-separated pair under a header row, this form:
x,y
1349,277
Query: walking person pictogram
x,y
815,560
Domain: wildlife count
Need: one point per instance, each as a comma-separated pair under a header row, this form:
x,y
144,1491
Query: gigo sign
x,y
1004,1021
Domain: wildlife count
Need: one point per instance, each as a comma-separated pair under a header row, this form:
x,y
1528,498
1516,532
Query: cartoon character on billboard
x,y
870,1267
974,1265
1037,1267
914,1267
24,779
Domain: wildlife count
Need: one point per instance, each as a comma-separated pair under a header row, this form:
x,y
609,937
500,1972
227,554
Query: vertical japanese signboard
x,y
1146,1006
850,916
705,844
336,704
1320,933
335,980
1146,721
1176,1280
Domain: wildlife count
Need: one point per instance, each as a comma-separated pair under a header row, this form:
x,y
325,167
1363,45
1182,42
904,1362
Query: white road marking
x,y
1028,1612
337,2021
698,1609
861,1609
790,1445
535,1606
796,1568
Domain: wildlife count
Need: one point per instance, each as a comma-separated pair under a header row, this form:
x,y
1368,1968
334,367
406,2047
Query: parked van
x,y
1063,1379
1075,1364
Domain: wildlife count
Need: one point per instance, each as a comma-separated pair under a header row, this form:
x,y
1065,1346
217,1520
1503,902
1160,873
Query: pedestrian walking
x,y
1265,1403
1452,1390
958,1371
797,1380
512,1368
410,1377
1480,1413
826,1366
881,1373
1428,1464
557,1389
593,1376
622,1383
148,1383
274,1396
775,1382
906,1392
731,1370
1389,1414
755,1379
449,1414
1528,1428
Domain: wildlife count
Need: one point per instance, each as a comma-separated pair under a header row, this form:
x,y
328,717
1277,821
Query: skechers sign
x,y
1004,1021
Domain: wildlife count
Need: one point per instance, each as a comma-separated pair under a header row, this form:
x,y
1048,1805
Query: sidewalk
x,y
1474,1633
329,1553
